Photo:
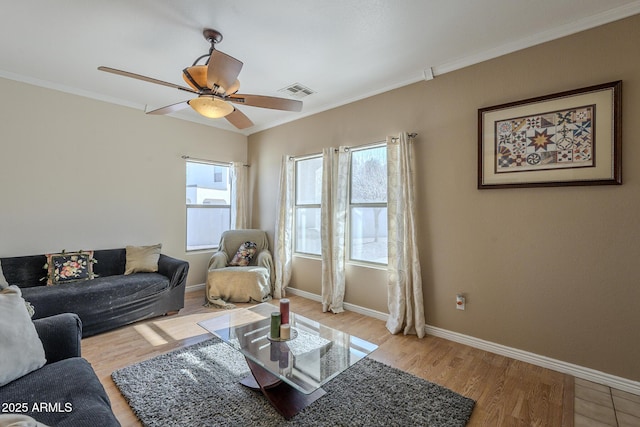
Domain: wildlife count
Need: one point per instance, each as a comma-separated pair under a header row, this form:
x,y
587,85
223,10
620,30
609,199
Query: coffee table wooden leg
x,y
285,399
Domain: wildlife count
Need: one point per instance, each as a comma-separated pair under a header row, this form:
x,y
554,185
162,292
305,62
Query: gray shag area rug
x,y
199,386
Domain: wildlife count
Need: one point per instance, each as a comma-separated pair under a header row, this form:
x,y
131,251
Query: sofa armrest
x,y
265,259
60,336
218,260
175,269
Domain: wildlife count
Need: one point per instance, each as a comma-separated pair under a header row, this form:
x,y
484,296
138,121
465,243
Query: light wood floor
x,y
508,392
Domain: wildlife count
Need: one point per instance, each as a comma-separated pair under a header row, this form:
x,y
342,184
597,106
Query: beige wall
x,y
76,173
553,271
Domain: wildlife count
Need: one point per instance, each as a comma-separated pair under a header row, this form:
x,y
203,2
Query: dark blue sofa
x,y
110,300
65,392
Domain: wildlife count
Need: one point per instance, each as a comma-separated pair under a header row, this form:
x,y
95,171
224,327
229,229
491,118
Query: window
x,y
208,199
308,188
368,205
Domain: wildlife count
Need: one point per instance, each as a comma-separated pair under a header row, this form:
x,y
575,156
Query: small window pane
x,y
208,184
369,234
208,204
369,175
205,226
307,235
309,181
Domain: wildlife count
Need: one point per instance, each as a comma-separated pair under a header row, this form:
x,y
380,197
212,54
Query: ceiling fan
x,y
216,84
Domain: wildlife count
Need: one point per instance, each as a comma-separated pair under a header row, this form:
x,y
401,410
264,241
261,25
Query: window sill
x,y
360,264
201,250
363,264
307,256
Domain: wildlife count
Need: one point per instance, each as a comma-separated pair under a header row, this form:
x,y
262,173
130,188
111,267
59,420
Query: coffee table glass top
x,y
315,354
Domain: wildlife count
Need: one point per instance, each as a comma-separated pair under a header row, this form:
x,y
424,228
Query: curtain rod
x,y
209,161
395,138
410,135
305,156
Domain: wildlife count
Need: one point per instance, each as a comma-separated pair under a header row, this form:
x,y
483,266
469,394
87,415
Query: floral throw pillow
x,y
245,254
68,267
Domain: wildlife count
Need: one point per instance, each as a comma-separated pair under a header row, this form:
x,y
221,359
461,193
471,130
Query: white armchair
x,y
240,283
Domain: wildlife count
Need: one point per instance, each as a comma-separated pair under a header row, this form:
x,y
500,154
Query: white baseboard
x,y
351,307
539,360
193,288
514,353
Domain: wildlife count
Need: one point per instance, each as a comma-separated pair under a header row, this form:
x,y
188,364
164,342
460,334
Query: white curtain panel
x,y
283,245
239,194
405,301
333,213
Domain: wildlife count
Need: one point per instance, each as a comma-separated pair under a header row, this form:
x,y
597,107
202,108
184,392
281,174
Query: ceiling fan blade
x,y
144,78
222,70
238,119
170,108
267,102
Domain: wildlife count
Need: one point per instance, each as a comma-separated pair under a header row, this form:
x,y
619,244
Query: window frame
x,y
207,206
297,206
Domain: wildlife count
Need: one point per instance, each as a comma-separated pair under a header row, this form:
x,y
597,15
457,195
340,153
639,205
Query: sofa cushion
x,y
142,259
99,294
21,351
245,254
237,284
69,267
231,240
24,271
65,393
103,301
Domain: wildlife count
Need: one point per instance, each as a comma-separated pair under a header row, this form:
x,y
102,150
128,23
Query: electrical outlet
x,y
460,302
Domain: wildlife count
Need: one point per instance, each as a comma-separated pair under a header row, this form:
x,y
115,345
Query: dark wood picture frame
x,y
564,139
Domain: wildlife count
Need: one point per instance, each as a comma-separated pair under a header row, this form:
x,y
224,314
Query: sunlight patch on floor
x,y
179,328
183,327
149,334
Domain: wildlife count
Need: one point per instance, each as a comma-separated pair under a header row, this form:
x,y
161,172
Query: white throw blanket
x,y
237,284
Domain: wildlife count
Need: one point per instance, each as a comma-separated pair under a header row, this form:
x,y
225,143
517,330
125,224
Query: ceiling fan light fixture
x,y
196,77
210,106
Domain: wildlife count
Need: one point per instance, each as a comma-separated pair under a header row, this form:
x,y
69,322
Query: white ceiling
x,y
344,50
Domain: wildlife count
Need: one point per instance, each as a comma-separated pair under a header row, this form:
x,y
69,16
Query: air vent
x,y
297,90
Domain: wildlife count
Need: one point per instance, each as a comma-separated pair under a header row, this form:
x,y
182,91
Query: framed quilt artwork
x,y
567,138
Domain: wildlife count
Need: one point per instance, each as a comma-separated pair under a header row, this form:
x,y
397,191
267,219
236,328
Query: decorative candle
x,y
285,331
284,310
275,324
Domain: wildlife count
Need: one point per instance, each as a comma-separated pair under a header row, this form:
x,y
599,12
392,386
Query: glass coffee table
x,y
289,373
